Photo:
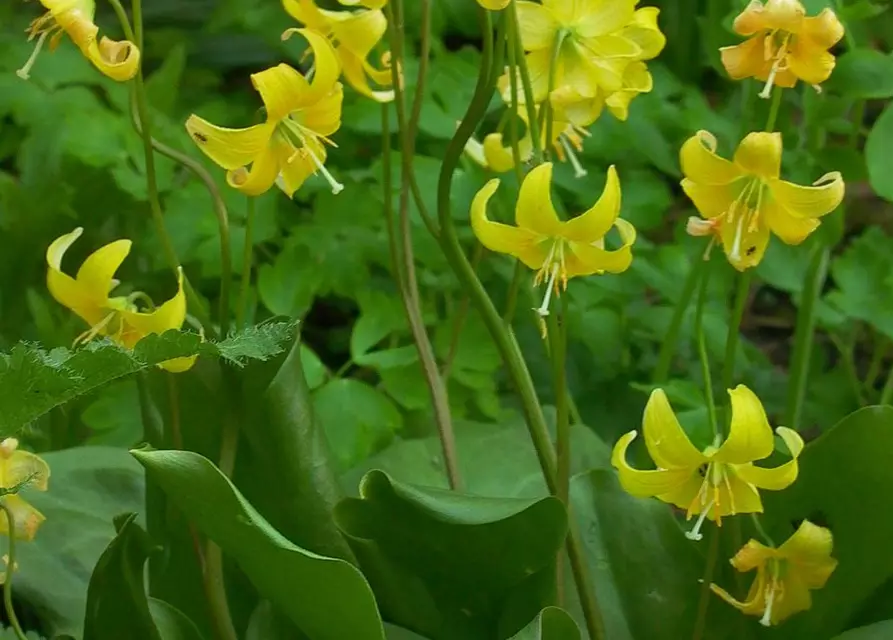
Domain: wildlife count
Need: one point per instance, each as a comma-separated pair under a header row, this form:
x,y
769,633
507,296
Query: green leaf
x,y
451,565
381,315
117,606
172,624
288,286
33,381
845,483
88,486
863,73
877,146
551,623
357,419
877,631
327,598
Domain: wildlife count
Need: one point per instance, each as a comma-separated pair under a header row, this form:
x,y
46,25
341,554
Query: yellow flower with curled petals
x,y
744,200
88,295
494,5
785,575
719,481
118,60
288,147
353,34
783,45
17,467
557,250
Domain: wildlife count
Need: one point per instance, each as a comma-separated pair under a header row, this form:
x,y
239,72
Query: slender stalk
x,y
741,295
773,109
461,316
668,346
805,333
704,599
702,353
558,356
407,274
10,569
522,70
546,108
849,367
877,359
512,54
887,392
761,531
247,262
503,338
514,287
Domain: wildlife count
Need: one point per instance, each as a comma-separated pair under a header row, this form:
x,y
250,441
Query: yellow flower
x,y
17,467
88,296
596,40
494,5
557,250
744,200
353,35
118,60
785,575
784,45
719,481
288,147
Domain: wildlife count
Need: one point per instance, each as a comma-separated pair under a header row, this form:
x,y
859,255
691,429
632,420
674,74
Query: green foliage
x,y
877,631
551,623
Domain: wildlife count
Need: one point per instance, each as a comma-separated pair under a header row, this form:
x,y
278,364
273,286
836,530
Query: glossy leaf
x,y
551,623
327,598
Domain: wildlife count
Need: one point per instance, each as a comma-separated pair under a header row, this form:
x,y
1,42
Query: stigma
x,y
553,268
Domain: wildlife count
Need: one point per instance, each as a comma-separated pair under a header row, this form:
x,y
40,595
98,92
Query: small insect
x,y
751,251
200,137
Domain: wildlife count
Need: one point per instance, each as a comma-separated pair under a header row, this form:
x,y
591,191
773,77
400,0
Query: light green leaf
x,y
551,623
863,73
877,157
288,286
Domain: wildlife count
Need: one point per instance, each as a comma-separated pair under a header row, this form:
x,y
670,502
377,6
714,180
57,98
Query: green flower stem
x,y
805,333
511,301
755,518
522,70
773,109
10,569
155,500
706,580
741,294
502,335
512,54
247,262
668,346
406,272
546,108
557,323
702,351
461,317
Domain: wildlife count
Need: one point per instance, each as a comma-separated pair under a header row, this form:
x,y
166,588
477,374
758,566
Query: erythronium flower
x,y
785,575
88,295
784,45
557,250
17,467
743,200
719,481
288,147
118,60
353,34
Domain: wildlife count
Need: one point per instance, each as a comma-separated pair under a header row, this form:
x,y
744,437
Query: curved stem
x,y
761,531
546,107
773,109
668,346
247,262
741,294
461,316
10,569
523,71
702,352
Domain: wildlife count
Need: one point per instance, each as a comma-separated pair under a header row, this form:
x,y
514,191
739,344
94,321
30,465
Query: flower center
x,y
302,140
744,215
553,268
709,496
774,592
776,47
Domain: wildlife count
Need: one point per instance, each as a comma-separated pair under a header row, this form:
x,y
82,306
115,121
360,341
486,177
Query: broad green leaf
x,y
327,598
117,605
380,316
88,486
863,73
877,147
33,381
551,623
266,623
287,287
172,624
114,416
877,631
452,565
845,483
315,371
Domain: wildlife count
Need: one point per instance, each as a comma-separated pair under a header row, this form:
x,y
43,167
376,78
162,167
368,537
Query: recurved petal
x,y
24,465
751,20
588,259
282,89
665,439
538,64
360,31
169,315
259,177
498,157
27,518
750,436
746,60
754,603
752,555
229,148
502,238
809,549
595,223
790,229
118,60
65,289
760,154
538,25
534,211
646,33
323,117
711,200
701,164
794,598
645,484
809,62
809,202
494,5
97,273
786,15
600,17
823,30
736,496
778,478
307,13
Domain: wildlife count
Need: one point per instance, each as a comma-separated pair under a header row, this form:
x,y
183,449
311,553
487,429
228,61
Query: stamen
x,y
24,72
579,171
695,533
543,310
337,187
736,245
766,620
777,65
93,331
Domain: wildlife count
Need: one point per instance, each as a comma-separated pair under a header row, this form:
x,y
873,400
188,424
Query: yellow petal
x,y
282,89
579,73
808,551
169,315
323,117
665,439
21,466
370,4
810,63
358,71
744,242
752,555
295,168
588,259
358,32
307,13
178,365
760,154
326,70
747,60
497,156
85,302
595,223
229,148
645,484
823,30
750,436
779,477
260,176
645,32
809,202
538,63
736,496
686,495
493,5
711,201
701,164
97,273
118,60
751,20
794,597
538,26
601,17
790,229
534,211
502,238
27,518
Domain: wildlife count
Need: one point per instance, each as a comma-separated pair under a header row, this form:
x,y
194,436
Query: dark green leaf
x,y
551,623
172,624
877,631
877,154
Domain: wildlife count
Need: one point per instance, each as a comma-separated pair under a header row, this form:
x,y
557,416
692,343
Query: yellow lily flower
x,y
494,5
18,466
88,296
784,45
596,40
719,481
118,60
288,147
353,34
744,199
785,575
557,250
